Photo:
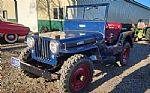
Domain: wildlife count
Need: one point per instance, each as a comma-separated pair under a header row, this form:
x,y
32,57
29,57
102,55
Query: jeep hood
x,y
58,35
74,38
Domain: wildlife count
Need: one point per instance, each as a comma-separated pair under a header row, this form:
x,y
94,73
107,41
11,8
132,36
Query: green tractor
x,y
142,30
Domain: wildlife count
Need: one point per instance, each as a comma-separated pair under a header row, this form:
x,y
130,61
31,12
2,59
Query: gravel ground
x,y
133,78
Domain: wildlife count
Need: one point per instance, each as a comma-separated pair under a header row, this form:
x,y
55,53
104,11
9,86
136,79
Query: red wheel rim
x,y
80,77
126,53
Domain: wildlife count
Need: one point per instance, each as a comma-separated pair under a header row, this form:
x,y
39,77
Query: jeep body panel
x,y
73,42
80,36
76,25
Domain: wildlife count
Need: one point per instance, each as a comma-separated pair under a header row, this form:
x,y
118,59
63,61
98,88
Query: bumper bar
x,y
35,70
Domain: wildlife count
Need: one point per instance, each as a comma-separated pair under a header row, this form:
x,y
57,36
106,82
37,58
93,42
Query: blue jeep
x,y
70,53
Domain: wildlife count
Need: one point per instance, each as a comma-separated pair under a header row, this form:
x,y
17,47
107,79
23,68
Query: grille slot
x,y
42,49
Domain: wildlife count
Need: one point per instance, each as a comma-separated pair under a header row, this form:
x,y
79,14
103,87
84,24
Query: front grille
x,y
42,49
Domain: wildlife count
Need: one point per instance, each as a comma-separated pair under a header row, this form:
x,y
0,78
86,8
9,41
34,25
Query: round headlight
x,y
54,46
30,42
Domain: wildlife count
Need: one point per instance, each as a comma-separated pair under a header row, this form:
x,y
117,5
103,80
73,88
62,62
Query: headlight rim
x,y
31,43
57,43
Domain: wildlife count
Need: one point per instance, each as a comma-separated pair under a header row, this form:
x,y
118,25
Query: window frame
x,y
60,13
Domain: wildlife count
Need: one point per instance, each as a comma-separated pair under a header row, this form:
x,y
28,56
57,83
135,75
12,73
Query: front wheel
x,y
76,74
124,55
26,56
10,38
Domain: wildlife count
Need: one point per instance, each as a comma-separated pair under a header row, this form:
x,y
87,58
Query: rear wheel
x,y
10,38
76,74
148,34
124,55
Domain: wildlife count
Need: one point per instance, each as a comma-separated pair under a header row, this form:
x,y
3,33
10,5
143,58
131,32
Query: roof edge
x,y
138,4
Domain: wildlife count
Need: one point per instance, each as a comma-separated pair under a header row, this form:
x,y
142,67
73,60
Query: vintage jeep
x,y
71,53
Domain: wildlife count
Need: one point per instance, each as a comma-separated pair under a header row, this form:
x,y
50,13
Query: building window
x,y
61,13
55,13
5,14
58,13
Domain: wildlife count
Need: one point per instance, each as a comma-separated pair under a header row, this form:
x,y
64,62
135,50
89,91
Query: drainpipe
x,y
16,11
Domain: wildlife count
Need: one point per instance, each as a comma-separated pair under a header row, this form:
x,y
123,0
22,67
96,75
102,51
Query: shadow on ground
x,y
136,82
138,53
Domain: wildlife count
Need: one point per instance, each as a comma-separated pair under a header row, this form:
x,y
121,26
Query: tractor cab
x,y
142,30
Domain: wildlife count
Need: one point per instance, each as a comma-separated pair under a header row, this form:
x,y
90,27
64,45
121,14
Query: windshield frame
x,y
92,5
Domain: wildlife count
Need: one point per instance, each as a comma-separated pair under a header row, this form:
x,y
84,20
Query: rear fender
x,y
126,36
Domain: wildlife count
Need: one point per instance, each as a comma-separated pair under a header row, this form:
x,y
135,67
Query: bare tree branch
x,y
1,5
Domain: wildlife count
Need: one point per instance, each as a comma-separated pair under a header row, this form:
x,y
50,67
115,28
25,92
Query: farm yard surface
x,y
133,78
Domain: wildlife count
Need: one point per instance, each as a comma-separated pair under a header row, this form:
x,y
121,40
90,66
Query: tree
x,y
1,6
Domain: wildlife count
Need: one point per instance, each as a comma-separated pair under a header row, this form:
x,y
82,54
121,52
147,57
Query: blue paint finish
x,y
91,29
52,61
78,49
66,40
84,25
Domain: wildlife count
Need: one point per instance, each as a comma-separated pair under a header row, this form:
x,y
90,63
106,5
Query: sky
x,y
144,2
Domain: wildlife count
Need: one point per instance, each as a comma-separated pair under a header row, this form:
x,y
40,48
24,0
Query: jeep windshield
x,y
87,12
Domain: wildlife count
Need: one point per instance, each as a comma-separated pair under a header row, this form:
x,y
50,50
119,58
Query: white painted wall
x,y
27,14
121,11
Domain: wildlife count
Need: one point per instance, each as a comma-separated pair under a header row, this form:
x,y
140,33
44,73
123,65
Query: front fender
x,y
78,49
126,36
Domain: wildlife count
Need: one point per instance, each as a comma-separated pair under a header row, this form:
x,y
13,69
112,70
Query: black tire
x,y
72,71
11,38
124,55
26,56
148,34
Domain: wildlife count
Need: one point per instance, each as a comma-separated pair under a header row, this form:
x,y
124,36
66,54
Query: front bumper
x,y
35,70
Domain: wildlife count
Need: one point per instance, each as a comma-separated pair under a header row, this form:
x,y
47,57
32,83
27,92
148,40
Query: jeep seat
x,y
112,32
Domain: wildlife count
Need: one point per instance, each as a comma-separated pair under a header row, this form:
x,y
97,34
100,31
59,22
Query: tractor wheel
x,y
76,74
148,34
124,55
139,39
26,55
10,38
